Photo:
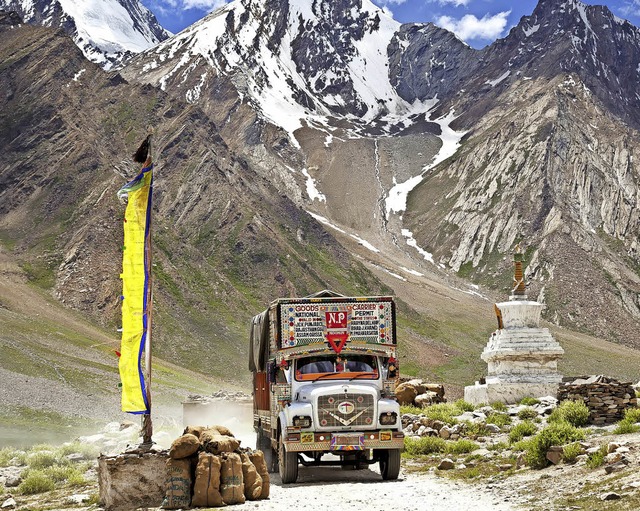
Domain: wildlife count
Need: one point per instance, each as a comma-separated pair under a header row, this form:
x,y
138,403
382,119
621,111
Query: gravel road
x,y
363,490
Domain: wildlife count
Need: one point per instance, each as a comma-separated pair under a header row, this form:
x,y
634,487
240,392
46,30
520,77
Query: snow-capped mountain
x,y
107,31
298,62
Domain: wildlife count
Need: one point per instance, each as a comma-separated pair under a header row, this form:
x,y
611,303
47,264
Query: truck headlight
x,y
302,421
388,418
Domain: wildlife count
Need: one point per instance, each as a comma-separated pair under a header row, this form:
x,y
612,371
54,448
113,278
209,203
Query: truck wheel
x,y
287,463
390,464
263,442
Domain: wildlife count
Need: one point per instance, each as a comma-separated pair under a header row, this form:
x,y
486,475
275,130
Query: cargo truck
x,y
324,373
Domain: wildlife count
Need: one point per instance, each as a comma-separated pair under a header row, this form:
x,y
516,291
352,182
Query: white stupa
x,y
522,357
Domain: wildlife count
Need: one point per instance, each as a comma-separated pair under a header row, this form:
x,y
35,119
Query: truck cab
x,y
325,372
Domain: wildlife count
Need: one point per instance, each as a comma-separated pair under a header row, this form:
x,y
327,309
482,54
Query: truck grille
x,y
346,410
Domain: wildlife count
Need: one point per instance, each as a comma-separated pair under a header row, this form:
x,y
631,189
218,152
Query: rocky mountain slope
x,y
310,145
549,117
107,31
226,240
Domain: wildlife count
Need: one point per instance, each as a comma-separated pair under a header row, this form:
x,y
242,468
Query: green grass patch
x,y
575,413
36,481
499,419
425,445
527,413
556,433
464,406
519,431
596,459
499,406
529,401
461,446
571,451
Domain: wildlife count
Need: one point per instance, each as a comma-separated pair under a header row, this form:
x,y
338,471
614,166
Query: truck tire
x,y
263,442
390,464
287,464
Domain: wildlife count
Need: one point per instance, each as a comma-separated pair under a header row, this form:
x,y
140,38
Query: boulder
x,y
406,393
554,454
426,399
446,464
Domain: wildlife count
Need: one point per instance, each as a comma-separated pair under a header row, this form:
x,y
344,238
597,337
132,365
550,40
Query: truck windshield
x,y
330,367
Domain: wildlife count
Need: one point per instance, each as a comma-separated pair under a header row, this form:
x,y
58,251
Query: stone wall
x,y
606,398
132,480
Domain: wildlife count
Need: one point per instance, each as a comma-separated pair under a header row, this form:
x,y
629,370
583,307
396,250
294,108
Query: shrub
x,y
6,455
500,446
519,431
464,406
632,415
413,410
499,419
499,406
424,445
36,482
628,423
475,428
444,412
556,433
571,451
88,451
42,459
624,427
573,412
59,474
596,459
461,446
529,401
527,413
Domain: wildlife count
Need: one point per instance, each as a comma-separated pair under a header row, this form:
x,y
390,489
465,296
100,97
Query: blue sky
x,y
477,22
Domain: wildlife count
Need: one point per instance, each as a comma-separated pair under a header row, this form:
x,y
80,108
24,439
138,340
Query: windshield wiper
x,y
323,375
367,373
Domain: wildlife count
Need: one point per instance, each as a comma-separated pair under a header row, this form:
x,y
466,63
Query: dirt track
x,y
333,488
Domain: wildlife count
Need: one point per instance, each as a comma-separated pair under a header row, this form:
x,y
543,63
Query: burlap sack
x,y
215,443
231,479
257,458
252,480
177,484
206,491
184,446
223,430
197,430
194,430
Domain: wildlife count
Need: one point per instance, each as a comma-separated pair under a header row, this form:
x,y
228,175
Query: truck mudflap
x,y
344,441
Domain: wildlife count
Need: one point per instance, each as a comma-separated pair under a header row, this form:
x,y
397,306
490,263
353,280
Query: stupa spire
x,y
519,287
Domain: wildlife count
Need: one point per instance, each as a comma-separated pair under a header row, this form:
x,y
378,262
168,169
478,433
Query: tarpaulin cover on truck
x,y
259,342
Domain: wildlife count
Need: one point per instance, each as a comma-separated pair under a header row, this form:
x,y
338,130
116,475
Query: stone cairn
x,y
419,393
606,398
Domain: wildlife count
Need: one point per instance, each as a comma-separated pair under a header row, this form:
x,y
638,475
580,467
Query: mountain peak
x,y
107,31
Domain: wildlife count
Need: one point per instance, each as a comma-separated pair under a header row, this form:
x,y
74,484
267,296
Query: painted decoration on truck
x,y
335,324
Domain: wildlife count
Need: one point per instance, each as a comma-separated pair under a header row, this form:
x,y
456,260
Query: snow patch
x,y
312,189
413,243
360,240
77,76
412,272
397,198
502,77
528,32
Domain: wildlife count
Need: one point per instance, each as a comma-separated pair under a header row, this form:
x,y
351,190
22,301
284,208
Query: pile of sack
x,y
207,468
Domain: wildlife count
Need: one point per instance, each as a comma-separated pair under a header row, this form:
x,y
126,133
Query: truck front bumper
x,y
305,441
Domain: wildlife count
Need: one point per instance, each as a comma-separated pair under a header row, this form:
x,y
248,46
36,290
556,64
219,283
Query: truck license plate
x,y
347,442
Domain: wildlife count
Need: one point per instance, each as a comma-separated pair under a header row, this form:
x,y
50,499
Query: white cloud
x,y
631,8
167,6
455,3
208,5
384,3
470,27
